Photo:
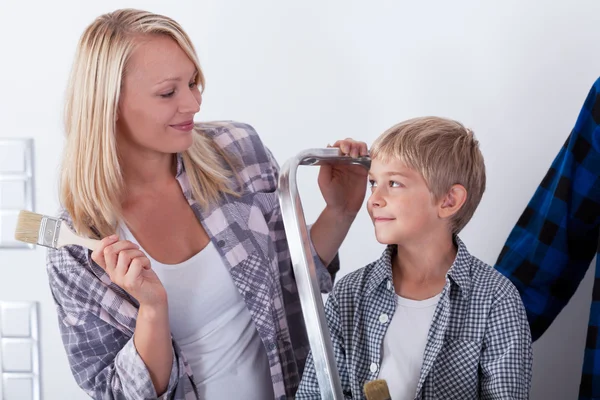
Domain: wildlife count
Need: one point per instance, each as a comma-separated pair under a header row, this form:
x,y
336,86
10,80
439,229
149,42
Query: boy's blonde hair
x,y
444,152
91,187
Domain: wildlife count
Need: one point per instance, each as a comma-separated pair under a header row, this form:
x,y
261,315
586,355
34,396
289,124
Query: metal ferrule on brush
x,y
49,231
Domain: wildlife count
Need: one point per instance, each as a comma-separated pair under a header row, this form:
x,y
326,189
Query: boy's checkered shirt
x,y
478,346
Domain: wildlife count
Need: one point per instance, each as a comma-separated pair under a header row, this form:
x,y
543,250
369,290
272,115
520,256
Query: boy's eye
x,y
372,183
395,184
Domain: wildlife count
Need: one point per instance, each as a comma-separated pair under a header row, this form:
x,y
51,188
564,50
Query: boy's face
x,y
401,206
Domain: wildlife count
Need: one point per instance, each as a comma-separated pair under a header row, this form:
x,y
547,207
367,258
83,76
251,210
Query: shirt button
x,y
389,285
373,368
221,243
383,318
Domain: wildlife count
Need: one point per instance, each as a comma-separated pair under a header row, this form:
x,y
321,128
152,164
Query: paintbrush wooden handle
x,y
66,237
91,244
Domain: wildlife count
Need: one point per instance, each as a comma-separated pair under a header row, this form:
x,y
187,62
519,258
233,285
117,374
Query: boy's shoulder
x,y
361,281
486,281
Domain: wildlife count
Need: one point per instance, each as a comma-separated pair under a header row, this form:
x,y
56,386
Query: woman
x,y
191,293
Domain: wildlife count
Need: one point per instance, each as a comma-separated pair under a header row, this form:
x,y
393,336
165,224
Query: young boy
x,y
428,317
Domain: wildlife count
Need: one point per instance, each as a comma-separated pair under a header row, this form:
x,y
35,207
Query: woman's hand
x,y
128,267
344,186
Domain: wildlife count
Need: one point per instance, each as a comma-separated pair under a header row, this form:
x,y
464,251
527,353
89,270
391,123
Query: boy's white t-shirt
x,y
404,345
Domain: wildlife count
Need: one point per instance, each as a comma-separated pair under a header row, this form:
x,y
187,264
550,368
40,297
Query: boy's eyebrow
x,y
392,173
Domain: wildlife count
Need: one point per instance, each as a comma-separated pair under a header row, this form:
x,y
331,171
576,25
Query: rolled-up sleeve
x,y
102,357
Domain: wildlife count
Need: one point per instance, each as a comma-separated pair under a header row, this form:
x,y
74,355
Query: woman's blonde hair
x,y
92,184
444,152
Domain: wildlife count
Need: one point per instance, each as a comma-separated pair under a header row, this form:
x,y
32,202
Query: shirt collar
x,y
180,168
459,272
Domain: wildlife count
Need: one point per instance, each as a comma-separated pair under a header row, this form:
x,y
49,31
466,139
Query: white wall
x,y
308,73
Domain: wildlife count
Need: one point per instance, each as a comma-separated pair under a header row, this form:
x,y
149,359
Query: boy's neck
x,y
419,268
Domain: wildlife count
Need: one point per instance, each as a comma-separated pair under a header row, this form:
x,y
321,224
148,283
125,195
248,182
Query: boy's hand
x,y
344,186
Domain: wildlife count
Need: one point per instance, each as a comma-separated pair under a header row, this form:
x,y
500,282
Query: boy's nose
x,y
375,200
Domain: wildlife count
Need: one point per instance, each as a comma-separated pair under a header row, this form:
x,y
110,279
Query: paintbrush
x,y
377,390
49,232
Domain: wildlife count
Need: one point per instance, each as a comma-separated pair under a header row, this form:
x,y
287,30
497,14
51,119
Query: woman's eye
x,y
166,95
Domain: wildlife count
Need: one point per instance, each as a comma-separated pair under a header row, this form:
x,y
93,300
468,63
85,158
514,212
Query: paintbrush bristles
x,y
28,227
377,390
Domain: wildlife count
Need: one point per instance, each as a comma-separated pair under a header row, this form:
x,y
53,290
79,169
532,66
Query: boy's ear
x,y
452,201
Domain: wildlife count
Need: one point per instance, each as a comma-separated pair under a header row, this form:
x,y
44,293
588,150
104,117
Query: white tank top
x,y
210,322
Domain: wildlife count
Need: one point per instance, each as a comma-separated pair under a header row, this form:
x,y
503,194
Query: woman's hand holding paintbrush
x,y
126,265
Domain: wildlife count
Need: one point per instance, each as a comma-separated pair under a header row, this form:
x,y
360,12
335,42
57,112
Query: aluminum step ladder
x,y
303,265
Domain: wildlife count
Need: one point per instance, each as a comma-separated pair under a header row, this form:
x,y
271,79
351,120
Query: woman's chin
x,y
179,144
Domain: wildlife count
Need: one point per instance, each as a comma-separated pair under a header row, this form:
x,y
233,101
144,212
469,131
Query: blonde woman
x,y
191,293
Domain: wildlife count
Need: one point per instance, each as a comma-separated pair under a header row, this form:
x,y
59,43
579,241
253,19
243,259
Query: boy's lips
x,y
383,219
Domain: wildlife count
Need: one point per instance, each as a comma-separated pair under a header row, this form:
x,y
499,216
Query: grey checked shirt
x,y
97,318
478,346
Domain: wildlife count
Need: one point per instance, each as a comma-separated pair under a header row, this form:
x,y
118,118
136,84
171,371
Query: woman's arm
x,y
111,354
343,188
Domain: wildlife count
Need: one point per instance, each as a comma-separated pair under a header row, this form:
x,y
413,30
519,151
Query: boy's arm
x,y
506,353
309,387
552,245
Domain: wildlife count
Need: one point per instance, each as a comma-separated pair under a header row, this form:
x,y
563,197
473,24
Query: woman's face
x,y
159,97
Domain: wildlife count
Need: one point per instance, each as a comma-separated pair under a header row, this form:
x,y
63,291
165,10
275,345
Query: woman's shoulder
x,y
71,277
254,162
233,136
